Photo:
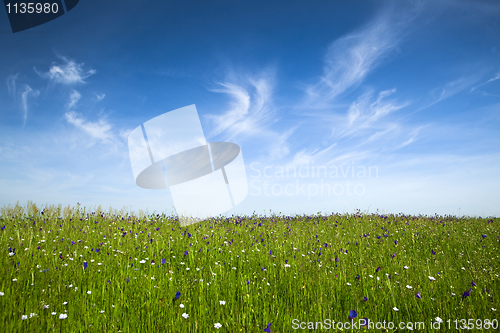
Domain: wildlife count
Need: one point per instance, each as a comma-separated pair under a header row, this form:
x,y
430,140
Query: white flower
x,y
439,320
64,303
493,309
45,306
286,265
32,315
181,306
1,293
102,311
187,268
348,284
24,317
222,302
142,261
53,313
185,315
405,267
378,279
409,287
395,309
63,316
217,325
431,278
89,292
14,280
371,276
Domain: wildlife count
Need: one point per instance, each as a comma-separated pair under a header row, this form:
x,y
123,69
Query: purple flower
x,y
108,282
466,294
352,314
163,261
336,259
189,235
396,242
365,299
186,252
85,264
418,295
268,328
326,245
484,236
128,280
433,253
364,322
474,284
393,255
378,269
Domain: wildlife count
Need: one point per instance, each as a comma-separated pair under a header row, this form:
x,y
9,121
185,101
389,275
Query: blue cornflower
x,y
268,328
85,264
163,261
466,294
418,295
186,252
352,314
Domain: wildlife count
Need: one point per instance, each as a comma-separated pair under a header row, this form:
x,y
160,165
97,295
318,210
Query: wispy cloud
x,y
496,77
251,107
352,57
100,97
11,84
99,131
27,93
68,73
74,97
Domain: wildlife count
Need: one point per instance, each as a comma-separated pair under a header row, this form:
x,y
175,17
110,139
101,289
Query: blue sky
x,y
407,90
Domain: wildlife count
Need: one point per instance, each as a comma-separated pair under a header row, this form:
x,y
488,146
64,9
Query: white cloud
x,y
352,57
251,108
11,84
496,77
100,97
68,73
99,130
74,97
28,92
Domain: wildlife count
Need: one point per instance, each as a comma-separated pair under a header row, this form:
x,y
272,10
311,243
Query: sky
x,y
381,106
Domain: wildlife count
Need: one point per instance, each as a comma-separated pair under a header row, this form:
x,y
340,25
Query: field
x,y
73,270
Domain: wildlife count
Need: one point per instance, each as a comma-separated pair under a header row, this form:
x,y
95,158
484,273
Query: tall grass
x,y
73,270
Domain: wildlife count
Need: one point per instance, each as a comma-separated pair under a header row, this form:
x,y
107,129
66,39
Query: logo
x,y
205,179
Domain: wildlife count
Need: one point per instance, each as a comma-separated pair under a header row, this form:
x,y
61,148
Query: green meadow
x,y
75,269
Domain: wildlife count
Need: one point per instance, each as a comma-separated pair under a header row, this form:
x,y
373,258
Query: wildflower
x,y
1,293
493,309
14,280
393,255
63,316
217,325
378,269
418,295
85,264
396,242
268,328
336,259
186,252
365,299
222,302
102,311
185,315
474,284
181,306
53,313
431,278
439,320
408,286
89,292
64,303
405,267
364,322
433,253
352,314
24,317
466,294
395,309
177,295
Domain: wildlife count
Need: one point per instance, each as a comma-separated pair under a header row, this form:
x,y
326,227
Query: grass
x,y
289,272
